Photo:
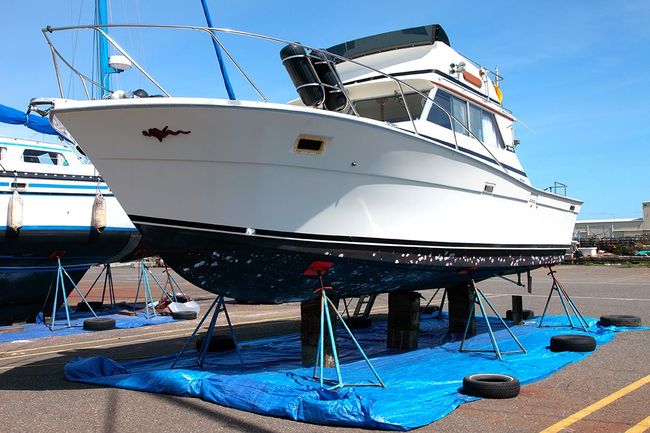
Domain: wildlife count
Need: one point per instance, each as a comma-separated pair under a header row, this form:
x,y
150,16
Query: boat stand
x,y
325,319
174,287
218,306
61,273
108,283
479,297
442,301
556,286
143,279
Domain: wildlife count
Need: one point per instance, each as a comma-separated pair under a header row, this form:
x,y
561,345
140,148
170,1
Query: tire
x,y
491,386
526,314
219,343
99,324
573,343
620,320
430,309
184,315
358,322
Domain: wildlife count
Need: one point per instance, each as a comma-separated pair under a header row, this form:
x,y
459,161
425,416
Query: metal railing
x,y
212,32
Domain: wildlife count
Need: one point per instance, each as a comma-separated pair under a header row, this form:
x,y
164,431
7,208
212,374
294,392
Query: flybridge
x,y
406,38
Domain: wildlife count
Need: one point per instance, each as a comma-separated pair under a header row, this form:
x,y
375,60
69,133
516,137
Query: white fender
x,y
99,213
15,212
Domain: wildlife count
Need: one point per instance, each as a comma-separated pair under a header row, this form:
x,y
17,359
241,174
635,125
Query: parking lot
x,y
607,392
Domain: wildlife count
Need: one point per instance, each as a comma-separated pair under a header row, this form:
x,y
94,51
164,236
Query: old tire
x,y
526,314
184,315
358,322
219,343
573,343
99,324
491,386
430,309
620,320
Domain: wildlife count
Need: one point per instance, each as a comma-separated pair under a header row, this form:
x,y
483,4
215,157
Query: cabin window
x,y
459,111
3,153
440,109
391,108
43,157
467,116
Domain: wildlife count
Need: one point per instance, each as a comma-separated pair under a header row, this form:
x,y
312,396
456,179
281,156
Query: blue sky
x,y
576,72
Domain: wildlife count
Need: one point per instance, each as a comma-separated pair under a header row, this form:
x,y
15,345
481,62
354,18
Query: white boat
x,y
47,199
241,197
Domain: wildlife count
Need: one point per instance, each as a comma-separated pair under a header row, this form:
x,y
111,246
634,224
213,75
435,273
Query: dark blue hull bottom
x,y
265,267
28,265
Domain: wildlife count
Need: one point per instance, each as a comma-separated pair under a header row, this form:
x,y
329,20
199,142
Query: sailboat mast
x,y
101,18
224,72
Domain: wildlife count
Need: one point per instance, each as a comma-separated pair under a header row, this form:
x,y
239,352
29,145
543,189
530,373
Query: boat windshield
x,y
391,108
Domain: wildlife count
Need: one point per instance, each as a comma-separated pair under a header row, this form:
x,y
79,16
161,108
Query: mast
x,y
224,72
101,17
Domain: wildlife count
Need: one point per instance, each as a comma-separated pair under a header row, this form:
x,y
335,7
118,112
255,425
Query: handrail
x,y
212,31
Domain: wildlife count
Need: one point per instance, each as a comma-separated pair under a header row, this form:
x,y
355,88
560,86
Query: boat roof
x,y
405,38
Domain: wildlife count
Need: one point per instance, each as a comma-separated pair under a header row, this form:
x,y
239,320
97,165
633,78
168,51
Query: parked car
x,y
643,253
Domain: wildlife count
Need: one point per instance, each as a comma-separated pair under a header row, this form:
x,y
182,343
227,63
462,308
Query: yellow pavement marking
x,y
557,427
640,427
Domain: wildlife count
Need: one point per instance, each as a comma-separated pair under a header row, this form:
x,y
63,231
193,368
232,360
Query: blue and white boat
x,y
53,204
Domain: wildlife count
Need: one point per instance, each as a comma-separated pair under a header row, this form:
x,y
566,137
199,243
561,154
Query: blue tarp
x,y
422,385
33,331
16,117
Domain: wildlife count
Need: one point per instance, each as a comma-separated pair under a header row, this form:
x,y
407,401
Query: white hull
x,y
237,168
376,193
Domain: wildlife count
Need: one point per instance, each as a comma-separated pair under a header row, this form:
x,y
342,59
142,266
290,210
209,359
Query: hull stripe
x,y
400,243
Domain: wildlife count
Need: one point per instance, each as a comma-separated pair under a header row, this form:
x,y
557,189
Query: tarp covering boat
x,y
16,117
422,385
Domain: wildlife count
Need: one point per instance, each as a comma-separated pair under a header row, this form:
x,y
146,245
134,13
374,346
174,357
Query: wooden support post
x,y
310,331
517,310
403,320
460,300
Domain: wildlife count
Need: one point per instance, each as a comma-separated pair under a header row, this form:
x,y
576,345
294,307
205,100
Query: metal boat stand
x,y
108,283
479,297
442,301
143,279
325,319
218,305
556,286
61,273
174,287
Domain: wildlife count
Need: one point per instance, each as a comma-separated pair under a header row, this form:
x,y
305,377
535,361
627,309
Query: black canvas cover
x,y
413,37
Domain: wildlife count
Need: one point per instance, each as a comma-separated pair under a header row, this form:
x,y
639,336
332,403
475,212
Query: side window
x,y
491,134
459,110
3,153
476,121
466,116
440,109
44,157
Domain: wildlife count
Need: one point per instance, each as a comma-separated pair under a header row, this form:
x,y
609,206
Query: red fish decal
x,y
162,133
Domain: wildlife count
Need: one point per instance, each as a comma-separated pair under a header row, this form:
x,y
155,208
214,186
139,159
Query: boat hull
x,y
271,268
235,186
28,264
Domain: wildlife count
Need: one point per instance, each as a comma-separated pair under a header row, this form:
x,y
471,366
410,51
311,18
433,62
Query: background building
x,y
615,228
